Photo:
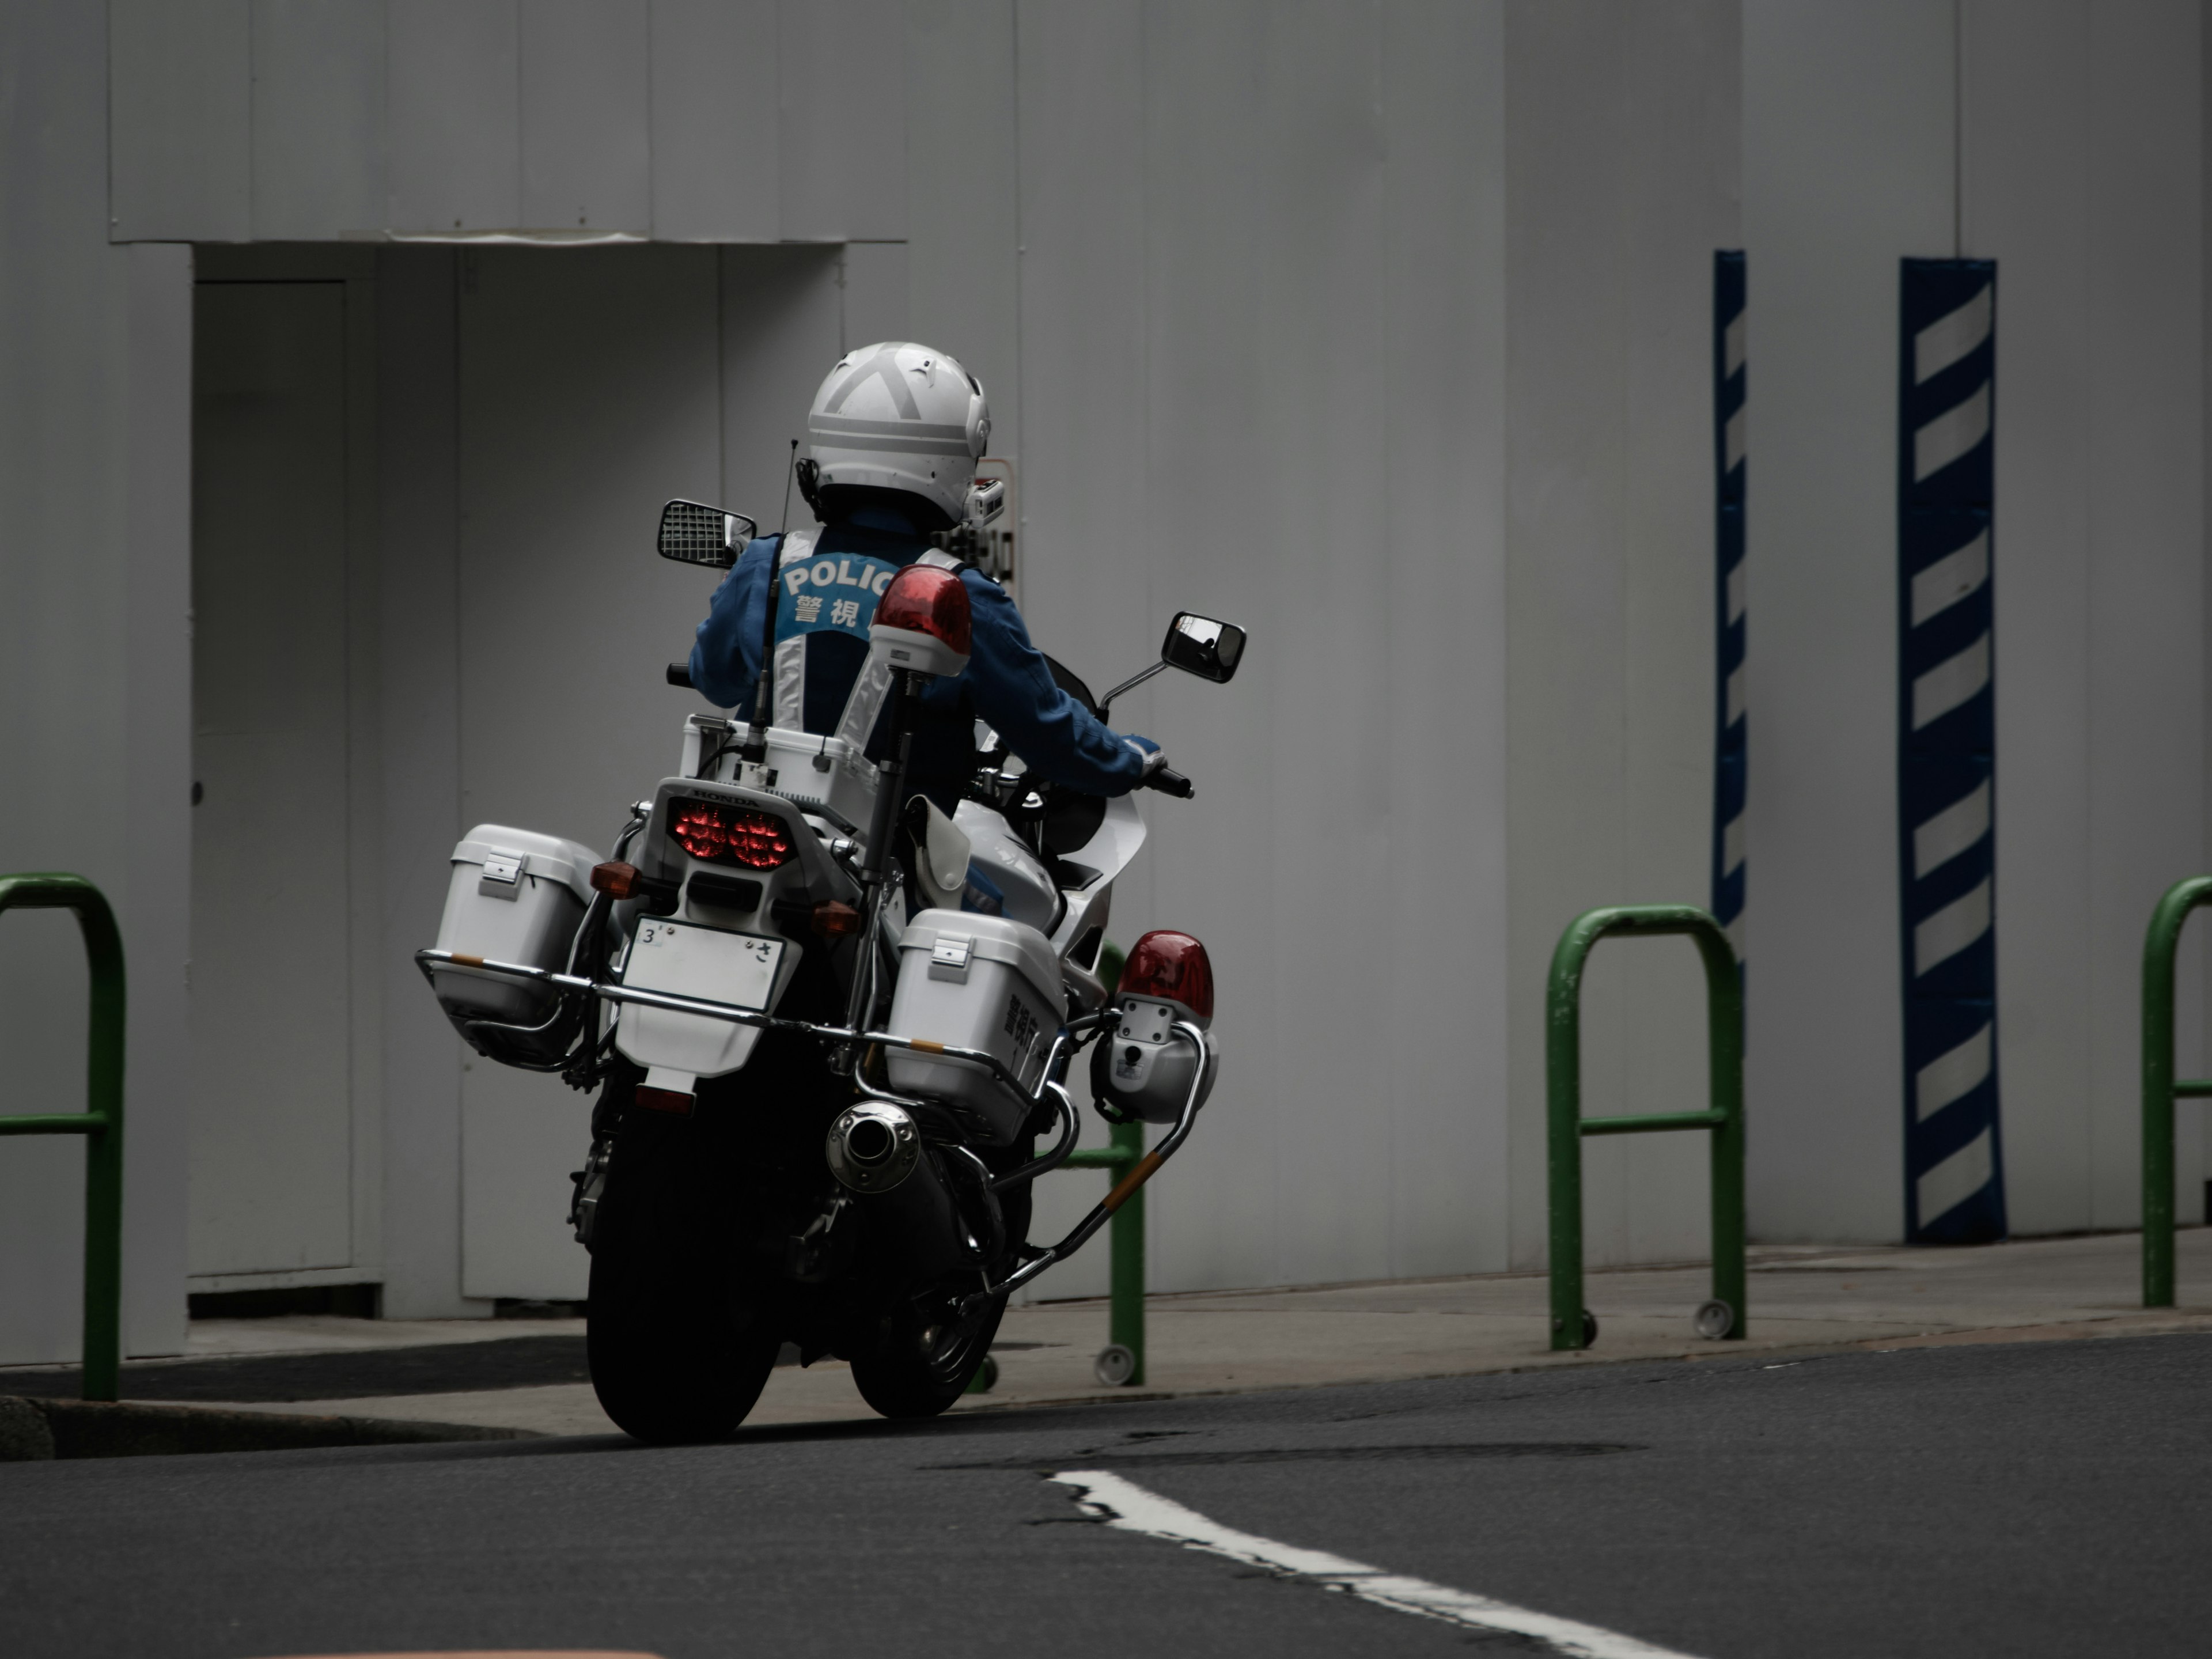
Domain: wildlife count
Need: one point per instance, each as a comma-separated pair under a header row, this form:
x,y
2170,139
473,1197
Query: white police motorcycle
x,y
829,1025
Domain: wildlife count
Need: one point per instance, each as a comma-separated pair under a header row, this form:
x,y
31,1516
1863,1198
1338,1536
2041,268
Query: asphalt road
x,y
2034,1499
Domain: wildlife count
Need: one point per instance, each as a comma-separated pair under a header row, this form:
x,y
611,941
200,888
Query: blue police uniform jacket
x,y
826,601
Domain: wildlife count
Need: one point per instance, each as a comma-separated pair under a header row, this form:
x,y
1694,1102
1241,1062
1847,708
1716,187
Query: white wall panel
x,y
588,397
1265,181
95,353
419,750
271,1161
2027,204
1847,143
179,102
64,536
1228,429
1444,305
782,325
154,905
875,289
585,159
963,198
454,115
1622,149
2145,346
1085,507
716,176
318,114
1565,517
842,97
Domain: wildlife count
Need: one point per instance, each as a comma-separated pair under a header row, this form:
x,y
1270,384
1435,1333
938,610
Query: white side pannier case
x,y
974,982
515,896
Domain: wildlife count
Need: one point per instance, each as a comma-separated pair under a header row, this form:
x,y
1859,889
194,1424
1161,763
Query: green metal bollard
x,y
2160,1087
100,1122
1567,1126
1124,1316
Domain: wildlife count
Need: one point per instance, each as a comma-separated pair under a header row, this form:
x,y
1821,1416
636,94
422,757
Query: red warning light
x,y
1171,967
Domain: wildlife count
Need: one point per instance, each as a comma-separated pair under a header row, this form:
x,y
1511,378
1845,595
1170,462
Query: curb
x,y
37,1430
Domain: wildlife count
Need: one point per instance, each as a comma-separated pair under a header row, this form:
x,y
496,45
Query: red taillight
x,y
663,1100
928,600
1172,967
615,880
729,835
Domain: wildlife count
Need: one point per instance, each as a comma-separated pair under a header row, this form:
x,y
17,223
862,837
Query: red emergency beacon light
x,y
1166,966
922,621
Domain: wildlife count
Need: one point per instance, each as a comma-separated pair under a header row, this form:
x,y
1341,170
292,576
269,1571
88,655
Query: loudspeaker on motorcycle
x,y
1144,1070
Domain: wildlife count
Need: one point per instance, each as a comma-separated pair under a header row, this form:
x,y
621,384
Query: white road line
x,y
1125,1504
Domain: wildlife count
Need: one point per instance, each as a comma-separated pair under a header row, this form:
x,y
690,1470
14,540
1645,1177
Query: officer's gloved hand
x,y
1153,755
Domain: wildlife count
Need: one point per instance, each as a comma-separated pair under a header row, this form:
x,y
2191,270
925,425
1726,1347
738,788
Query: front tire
x,y
669,1361
925,1357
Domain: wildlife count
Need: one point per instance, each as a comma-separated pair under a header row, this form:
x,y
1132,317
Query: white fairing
x,y
1004,859
1108,852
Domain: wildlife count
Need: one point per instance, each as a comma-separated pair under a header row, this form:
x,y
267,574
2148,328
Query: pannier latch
x,y
949,960
502,875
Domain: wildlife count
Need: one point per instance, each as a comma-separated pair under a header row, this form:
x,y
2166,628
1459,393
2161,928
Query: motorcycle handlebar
x,y
1169,781
679,673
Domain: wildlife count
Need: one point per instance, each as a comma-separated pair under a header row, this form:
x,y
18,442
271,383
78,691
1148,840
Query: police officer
x,y
893,438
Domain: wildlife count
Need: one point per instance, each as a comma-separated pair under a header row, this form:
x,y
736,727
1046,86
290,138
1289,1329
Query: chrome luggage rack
x,y
1050,1089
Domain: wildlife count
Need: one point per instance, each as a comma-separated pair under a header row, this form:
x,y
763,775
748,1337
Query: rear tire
x,y
670,1362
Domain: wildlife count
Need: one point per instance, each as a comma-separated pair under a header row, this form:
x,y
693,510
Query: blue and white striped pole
x,y
1731,730
1947,750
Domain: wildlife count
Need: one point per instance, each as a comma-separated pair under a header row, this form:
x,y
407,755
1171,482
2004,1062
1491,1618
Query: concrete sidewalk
x,y
1804,1299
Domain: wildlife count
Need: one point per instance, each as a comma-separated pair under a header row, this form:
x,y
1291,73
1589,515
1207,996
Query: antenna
x,y
755,748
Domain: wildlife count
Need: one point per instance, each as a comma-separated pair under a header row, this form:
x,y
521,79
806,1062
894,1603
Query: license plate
x,y
684,959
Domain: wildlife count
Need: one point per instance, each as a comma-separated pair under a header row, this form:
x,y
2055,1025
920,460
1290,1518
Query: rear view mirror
x,y
692,532
1200,645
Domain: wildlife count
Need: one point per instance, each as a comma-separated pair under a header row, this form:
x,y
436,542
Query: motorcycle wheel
x,y
921,1366
669,1362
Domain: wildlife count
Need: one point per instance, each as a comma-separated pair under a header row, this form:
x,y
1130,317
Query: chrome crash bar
x,y
1048,1090
1101,1214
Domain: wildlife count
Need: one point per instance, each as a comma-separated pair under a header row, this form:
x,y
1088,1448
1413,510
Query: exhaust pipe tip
x,y
872,1147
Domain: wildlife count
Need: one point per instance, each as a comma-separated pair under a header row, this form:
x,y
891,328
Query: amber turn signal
x,y
834,920
615,880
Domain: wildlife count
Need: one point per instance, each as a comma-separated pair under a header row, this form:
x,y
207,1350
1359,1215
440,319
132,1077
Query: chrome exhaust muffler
x,y
875,1150
872,1147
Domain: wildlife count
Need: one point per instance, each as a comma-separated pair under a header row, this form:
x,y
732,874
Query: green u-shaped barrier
x,y
1125,1233
2160,1089
100,1122
1563,1068
1125,1315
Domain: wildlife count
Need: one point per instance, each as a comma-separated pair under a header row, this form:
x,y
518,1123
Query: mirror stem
x,y
1106,702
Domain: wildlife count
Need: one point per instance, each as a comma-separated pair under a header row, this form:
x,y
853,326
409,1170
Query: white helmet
x,y
898,416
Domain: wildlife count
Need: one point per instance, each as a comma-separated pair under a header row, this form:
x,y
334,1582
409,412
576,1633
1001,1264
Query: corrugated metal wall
x,y
679,120
1241,281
